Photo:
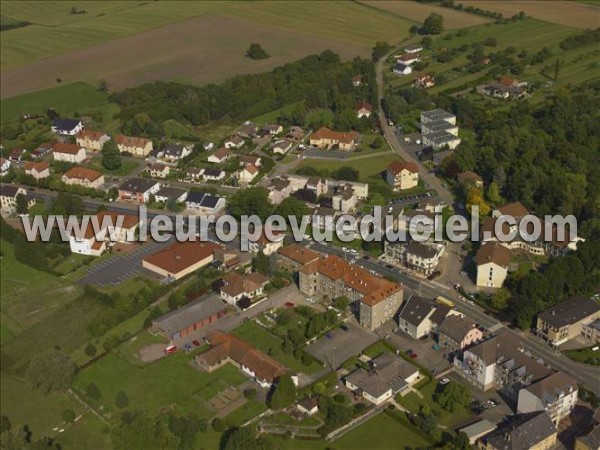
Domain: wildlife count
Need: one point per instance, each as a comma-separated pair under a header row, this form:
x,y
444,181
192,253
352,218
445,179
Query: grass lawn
x,y
585,355
125,169
369,168
244,413
272,116
66,99
264,341
380,432
168,382
42,413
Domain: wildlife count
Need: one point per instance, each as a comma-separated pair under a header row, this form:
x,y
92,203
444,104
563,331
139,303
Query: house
x,y
295,256
317,185
265,245
590,332
184,321
272,128
92,140
213,174
295,133
203,203
158,170
220,156
282,146
409,58
208,146
16,154
234,142
492,261
413,49
180,259
423,257
434,206
388,376
194,174
41,151
363,109
88,242
565,320
135,146
508,81
500,362
469,177
401,68
227,348
436,115
308,406
279,188
236,286
138,189
515,209
250,159
402,175
344,199
167,193
556,394
71,153
174,152
477,430
441,139
111,227
357,80
9,194
421,317
326,139
331,276
82,176
424,81
248,173
67,127
527,432
248,130
4,166
323,218
458,332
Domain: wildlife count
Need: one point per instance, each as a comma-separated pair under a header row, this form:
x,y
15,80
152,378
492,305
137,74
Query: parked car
x,y
414,356
329,336
344,327
408,352
188,347
444,381
433,275
289,305
170,349
196,343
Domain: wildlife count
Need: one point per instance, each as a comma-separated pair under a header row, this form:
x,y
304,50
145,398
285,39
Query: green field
x,y
66,99
585,355
265,341
380,432
167,383
54,30
368,168
124,170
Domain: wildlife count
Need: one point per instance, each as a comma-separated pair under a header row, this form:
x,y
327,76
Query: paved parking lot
x,y
118,268
342,345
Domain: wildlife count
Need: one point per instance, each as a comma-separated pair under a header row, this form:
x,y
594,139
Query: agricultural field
x,y
418,12
569,13
198,42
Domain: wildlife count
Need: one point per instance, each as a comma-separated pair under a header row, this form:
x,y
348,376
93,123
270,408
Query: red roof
x,y
398,166
83,173
37,166
326,133
89,134
363,105
71,149
131,141
181,255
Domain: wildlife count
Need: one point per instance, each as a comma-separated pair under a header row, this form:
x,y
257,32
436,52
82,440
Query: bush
x,y
93,391
90,350
340,398
68,416
307,360
255,51
121,400
218,425
250,393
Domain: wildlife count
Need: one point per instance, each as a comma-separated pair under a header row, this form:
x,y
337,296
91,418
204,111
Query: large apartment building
x,y
566,320
556,394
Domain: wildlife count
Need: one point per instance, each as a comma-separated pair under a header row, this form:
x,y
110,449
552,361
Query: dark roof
x,y
203,199
440,313
65,124
191,313
8,190
421,250
171,192
570,311
212,172
416,310
456,327
137,185
522,434
388,372
173,149
592,438
493,252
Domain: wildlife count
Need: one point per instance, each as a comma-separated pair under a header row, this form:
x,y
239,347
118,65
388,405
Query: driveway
x,y
342,345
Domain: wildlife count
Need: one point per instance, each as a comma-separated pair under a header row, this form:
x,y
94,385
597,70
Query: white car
x,y
444,381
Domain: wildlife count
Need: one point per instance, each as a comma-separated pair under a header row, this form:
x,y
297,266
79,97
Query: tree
x,y
111,157
255,51
5,424
341,302
491,42
22,204
261,263
460,441
429,424
346,173
90,350
103,86
426,42
68,416
51,371
414,29
143,432
121,399
291,206
434,24
284,393
254,200
493,192
377,143
244,439
557,67
381,49
93,391
454,397
500,299
218,425
186,428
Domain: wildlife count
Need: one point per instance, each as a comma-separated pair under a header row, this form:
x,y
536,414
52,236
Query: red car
x,y
196,343
170,349
414,355
289,304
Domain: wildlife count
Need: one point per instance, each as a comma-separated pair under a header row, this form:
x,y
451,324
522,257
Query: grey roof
x,y
437,126
440,313
170,192
478,428
388,372
137,185
203,199
193,312
527,431
456,327
279,183
400,66
65,124
421,250
8,190
173,150
437,114
592,438
416,310
570,311
213,172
